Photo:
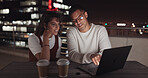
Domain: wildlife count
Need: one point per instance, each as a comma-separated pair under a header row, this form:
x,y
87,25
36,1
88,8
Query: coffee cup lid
x,y
63,61
42,62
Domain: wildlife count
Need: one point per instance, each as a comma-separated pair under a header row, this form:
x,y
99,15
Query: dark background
x,y
113,10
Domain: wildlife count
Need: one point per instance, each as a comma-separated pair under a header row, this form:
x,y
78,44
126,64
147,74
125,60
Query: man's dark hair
x,y
74,8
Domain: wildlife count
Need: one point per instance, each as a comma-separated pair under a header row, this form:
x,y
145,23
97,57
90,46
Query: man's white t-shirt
x,y
82,45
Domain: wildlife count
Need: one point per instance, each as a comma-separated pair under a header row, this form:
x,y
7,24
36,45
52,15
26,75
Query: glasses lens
x,y
78,19
81,17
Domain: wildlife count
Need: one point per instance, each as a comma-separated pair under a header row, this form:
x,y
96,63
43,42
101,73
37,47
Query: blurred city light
x,y
121,24
4,11
60,1
133,25
105,23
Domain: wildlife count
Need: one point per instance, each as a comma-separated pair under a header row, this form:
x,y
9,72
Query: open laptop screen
x,y
112,59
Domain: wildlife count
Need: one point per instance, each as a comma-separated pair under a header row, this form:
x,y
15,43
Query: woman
x,y
45,42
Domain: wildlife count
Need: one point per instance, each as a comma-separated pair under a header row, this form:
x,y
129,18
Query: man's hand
x,y
95,58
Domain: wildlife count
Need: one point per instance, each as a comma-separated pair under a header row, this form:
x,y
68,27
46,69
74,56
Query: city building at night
x,y
126,22
19,18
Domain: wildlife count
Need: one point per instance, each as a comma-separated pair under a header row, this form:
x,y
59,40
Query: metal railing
x,y
128,32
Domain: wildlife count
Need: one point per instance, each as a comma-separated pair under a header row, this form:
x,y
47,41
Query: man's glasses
x,y
80,17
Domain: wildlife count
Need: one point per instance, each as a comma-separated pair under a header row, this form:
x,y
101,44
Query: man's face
x,y
79,18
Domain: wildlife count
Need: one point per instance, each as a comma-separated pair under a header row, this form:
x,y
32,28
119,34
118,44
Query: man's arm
x,y
104,43
74,55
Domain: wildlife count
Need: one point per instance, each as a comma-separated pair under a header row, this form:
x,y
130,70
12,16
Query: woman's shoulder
x,y
33,37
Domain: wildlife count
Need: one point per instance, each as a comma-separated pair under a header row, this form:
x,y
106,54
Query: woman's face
x,y
54,26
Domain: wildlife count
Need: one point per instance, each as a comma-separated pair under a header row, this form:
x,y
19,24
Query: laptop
x,y
111,60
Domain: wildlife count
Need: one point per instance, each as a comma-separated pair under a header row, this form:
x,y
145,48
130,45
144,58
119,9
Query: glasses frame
x,y
79,18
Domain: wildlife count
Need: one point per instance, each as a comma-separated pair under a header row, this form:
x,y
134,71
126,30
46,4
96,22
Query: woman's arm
x,y
45,52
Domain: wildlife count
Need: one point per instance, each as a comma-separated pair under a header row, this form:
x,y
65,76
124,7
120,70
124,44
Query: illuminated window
x,y
21,29
4,11
28,22
29,33
45,3
35,22
63,32
17,22
26,35
24,3
1,22
34,29
60,1
6,23
1,0
20,10
20,43
66,13
57,5
35,9
29,9
61,6
34,16
64,40
9,28
66,7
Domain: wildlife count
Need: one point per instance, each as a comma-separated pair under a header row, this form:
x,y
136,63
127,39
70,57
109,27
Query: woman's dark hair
x,y
46,17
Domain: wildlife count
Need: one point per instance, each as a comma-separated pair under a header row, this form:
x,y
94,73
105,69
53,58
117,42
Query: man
x,y
86,42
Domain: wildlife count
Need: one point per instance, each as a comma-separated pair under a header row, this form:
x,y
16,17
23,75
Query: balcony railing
x,y
127,32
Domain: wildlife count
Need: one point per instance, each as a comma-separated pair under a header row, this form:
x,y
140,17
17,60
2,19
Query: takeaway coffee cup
x,y
63,66
42,66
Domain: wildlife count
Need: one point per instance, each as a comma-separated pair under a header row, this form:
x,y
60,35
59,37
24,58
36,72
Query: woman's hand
x,y
45,54
47,33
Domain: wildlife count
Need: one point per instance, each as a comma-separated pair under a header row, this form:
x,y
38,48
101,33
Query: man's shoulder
x,y
98,26
72,29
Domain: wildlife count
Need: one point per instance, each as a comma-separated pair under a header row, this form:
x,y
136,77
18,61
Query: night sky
x,y
109,10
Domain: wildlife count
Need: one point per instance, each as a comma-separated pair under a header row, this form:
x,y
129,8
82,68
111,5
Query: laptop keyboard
x,y
91,68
